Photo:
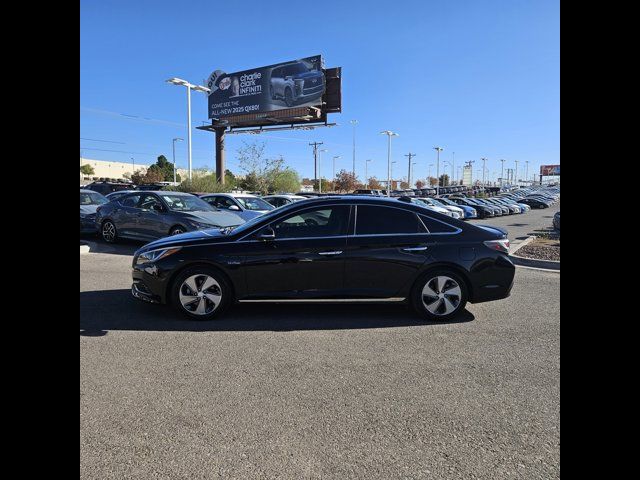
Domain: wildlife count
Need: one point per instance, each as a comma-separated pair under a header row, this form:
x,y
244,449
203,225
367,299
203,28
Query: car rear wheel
x,y
201,293
109,232
439,295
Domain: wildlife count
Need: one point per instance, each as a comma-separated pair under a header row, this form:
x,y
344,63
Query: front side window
x,y
148,201
186,203
93,198
220,202
376,220
321,222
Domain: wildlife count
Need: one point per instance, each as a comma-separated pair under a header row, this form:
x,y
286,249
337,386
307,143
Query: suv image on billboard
x,y
295,83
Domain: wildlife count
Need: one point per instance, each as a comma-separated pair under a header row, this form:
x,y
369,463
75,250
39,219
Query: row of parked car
x,y
150,214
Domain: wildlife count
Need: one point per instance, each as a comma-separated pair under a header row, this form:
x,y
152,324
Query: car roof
x,y
84,190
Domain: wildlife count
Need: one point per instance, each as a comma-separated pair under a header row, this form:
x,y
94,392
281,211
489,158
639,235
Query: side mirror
x,y
235,208
267,234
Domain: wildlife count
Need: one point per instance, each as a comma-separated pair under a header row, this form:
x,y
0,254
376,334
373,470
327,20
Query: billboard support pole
x,y
220,160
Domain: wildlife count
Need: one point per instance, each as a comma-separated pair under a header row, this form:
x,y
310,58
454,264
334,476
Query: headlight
x,y
201,226
155,255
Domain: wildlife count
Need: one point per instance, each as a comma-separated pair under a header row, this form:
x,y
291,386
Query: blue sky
x,y
479,78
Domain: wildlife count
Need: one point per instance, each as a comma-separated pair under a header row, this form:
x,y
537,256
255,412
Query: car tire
x,y
177,230
191,296
109,232
439,295
288,97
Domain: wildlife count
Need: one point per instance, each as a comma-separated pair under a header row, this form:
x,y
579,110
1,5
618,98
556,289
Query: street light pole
x,y
502,172
319,174
354,123
174,158
438,149
334,172
453,166
484,162
526,174
199,88
392,172
389,134
413,169
366,174
516,178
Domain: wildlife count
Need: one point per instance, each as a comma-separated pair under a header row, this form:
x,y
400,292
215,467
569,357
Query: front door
x,y
304,260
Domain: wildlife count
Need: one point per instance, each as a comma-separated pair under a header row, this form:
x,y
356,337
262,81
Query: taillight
x,y
499,245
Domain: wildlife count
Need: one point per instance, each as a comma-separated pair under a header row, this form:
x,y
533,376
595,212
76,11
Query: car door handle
x,y
414,249
337,252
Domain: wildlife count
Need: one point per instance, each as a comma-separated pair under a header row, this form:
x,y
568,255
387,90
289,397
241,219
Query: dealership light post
x,y
526,171
502,172
453,165
354,123
392,172
199,88
319,164
516,174
389,134
410,155
366,172
438,150
484,163
174,157
334,171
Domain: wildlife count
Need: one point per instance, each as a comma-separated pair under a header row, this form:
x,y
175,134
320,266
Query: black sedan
x,y
341,247
535,202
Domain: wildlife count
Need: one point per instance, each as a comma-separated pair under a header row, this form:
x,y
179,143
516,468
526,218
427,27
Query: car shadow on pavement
x,y
105,310
123,247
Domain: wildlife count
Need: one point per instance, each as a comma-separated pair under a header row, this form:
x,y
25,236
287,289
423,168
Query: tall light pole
x,y
526,174
319,174
389,134
413,169
453,166
484,162
334,171
516,179
354,123
199,88
438,150
174,157
392,172
502,160
366,174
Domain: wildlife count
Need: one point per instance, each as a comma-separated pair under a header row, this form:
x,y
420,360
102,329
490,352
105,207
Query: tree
x,y
87,170
265,174
345,181
404,185
374,184
152,176
420,184
164,168
285,180
433,181
444,180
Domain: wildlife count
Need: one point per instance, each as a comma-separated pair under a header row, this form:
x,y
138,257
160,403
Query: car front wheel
x,y
439,295
201,293
109,232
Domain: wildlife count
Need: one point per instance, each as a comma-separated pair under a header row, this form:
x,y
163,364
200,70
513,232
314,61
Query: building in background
x,y
121,170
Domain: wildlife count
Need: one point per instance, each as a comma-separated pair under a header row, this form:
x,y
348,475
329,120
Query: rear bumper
x,y
492,279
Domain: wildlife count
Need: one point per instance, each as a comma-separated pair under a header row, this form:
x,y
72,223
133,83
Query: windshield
x,y
437,202
92,198
186,203
254,203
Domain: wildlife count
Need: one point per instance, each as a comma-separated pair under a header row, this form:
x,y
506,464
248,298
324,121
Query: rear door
x,y
388,248
152,223
125,214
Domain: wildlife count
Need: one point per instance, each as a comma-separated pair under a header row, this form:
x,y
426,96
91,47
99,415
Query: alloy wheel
x,y
441,295
109,231
200,294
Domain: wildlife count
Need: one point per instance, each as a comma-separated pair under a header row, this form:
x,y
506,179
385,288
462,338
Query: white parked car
x,y
282,199
435,208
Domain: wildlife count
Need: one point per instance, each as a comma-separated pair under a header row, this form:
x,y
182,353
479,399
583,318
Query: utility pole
x,y
484,162
438,150
410,155
315,159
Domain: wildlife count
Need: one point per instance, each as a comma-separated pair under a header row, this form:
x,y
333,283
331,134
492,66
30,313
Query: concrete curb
x,y
84,248
521,244
531,262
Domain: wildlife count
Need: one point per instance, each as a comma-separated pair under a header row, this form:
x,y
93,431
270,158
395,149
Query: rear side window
x,y
375,220
436,226
130,200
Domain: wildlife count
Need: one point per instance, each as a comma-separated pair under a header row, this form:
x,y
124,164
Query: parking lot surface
x,y
317,391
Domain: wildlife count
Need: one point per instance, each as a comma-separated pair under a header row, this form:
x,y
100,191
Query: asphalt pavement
x,y
317,391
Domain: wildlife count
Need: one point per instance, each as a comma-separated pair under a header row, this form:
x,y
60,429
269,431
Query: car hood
x,y
216,219
210,235
88,209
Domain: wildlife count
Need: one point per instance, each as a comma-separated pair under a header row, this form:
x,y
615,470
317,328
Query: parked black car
x,y
534,202
107,187
346,247
150,215
484,211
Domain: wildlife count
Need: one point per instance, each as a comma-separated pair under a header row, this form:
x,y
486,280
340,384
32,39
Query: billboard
x,y
546,170
296,83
